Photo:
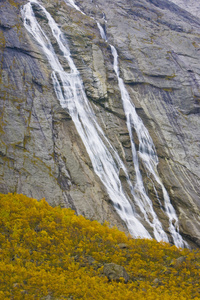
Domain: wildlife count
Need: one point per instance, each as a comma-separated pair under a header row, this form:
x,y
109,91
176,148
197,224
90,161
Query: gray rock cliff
x,y
41,153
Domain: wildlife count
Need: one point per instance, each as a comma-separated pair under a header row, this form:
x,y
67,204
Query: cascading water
x,y
71,3
102,32
141,199
105,160
148,156
70,92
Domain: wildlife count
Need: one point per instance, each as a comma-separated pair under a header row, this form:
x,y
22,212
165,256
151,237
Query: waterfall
x,y
147,154
70,92
102,32
72,4
105,160
140,196
149,158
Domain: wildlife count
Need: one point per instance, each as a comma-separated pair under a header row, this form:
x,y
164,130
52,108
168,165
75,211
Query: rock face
x,y
41,153
191,6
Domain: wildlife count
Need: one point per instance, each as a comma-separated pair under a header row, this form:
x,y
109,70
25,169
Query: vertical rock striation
x,y
41,153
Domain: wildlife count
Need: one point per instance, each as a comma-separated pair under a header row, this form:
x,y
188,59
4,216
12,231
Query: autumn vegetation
x,y
50,253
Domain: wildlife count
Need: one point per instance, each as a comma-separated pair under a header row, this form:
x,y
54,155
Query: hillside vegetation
x,y
50,253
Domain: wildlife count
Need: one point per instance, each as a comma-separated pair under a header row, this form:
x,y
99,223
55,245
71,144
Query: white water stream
x,y
147,154
149,158
70,92
105,160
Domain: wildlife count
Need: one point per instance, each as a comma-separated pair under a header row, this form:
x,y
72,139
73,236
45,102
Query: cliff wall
x,y
41,153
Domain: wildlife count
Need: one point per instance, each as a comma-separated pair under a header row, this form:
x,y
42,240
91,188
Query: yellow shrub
x,y
51,251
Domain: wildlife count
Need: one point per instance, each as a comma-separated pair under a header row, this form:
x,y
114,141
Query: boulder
x,y
115,272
